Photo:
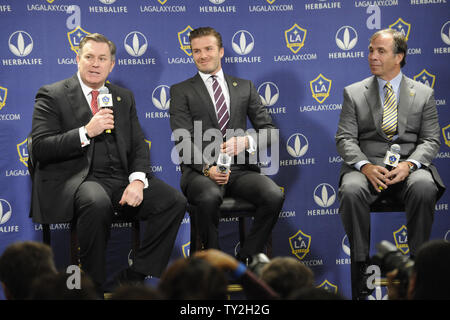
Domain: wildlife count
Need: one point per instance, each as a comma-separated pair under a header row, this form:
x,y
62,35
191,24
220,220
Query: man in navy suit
x,y
85,173
215,104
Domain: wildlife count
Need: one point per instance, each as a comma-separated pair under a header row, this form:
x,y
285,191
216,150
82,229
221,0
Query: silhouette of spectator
x,y
135,292
314,293
430,278
193,279
54,286
20,264
286,274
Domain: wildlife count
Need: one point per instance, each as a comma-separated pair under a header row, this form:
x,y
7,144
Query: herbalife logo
x,y
5,211
346,38
324,195
445,33
297,145
269,93
242,42
135,44
20,43
160,97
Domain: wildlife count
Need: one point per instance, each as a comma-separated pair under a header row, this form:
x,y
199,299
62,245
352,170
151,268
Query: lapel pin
x,y
234,84
119,98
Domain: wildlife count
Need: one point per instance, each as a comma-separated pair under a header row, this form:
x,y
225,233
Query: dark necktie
x,y
94,103
221,106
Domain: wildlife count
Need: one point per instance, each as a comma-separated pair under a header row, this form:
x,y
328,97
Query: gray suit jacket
x,y
191,107
360,137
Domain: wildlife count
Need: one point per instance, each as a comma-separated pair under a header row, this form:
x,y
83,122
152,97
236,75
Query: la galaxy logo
x,y
5,211
295,38
186,249
161,98
135,44
401,26
20,43
300,244
242,42
269,93
426,78
401,239
23,152
297,145
75,36
446,134
328,286
320,88
324,195
162,2
149,143
183,39
3,95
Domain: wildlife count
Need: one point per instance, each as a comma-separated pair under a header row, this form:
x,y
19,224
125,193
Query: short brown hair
x,y
97,37
206,31
400,45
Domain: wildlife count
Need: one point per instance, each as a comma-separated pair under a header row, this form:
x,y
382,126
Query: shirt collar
x,y
206,76
86,89
395,82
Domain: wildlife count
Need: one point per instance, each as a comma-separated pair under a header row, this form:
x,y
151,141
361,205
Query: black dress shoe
x,y
128,277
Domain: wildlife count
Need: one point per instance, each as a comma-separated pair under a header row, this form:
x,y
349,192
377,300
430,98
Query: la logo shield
x,y
401,239
295,38
22,150
320,88
149,143
3,94
183,38
446,134
75,36
401,26
300,244
327,285
186,249
426,78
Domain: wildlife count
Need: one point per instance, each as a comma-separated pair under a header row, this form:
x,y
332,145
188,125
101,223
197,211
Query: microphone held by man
x,y
105,101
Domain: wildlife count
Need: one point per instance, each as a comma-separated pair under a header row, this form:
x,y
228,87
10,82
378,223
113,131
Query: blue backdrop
x,y
299,54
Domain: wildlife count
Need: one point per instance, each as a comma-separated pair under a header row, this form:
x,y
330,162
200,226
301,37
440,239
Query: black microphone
x,y
391,159
104,100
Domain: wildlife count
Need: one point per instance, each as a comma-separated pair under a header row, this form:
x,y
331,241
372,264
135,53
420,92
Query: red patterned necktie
x,y
221,106
94,103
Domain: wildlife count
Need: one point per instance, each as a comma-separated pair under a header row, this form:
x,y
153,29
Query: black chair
x,y
230,208
74,249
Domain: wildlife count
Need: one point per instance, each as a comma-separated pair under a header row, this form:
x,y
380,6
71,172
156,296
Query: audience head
x,y
193,279
21,263
285,274
135,292
431,275
54,286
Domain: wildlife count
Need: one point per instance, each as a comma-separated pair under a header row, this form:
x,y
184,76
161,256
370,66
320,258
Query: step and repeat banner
x,y
299,54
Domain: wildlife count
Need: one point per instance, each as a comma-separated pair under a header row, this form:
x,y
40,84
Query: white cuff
x,y
83,137
139,176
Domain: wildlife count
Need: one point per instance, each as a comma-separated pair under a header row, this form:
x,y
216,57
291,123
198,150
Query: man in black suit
x,y
215,106
85,173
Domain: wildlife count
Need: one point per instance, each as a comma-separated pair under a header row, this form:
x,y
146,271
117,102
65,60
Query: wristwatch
x,y
412,167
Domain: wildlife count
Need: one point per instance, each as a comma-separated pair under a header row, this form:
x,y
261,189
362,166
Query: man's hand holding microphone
x,y
103,120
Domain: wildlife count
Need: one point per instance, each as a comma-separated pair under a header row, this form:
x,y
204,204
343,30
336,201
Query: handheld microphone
x,y
104,100
223,163
391,159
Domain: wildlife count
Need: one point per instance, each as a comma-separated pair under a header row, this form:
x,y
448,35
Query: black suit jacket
x,y
191,103
61,163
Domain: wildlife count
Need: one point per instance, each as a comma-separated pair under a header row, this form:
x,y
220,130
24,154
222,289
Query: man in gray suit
x,y
387,108
215,106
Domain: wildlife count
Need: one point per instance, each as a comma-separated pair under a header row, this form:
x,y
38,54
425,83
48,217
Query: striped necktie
x,y
221,106
389,124
94,102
